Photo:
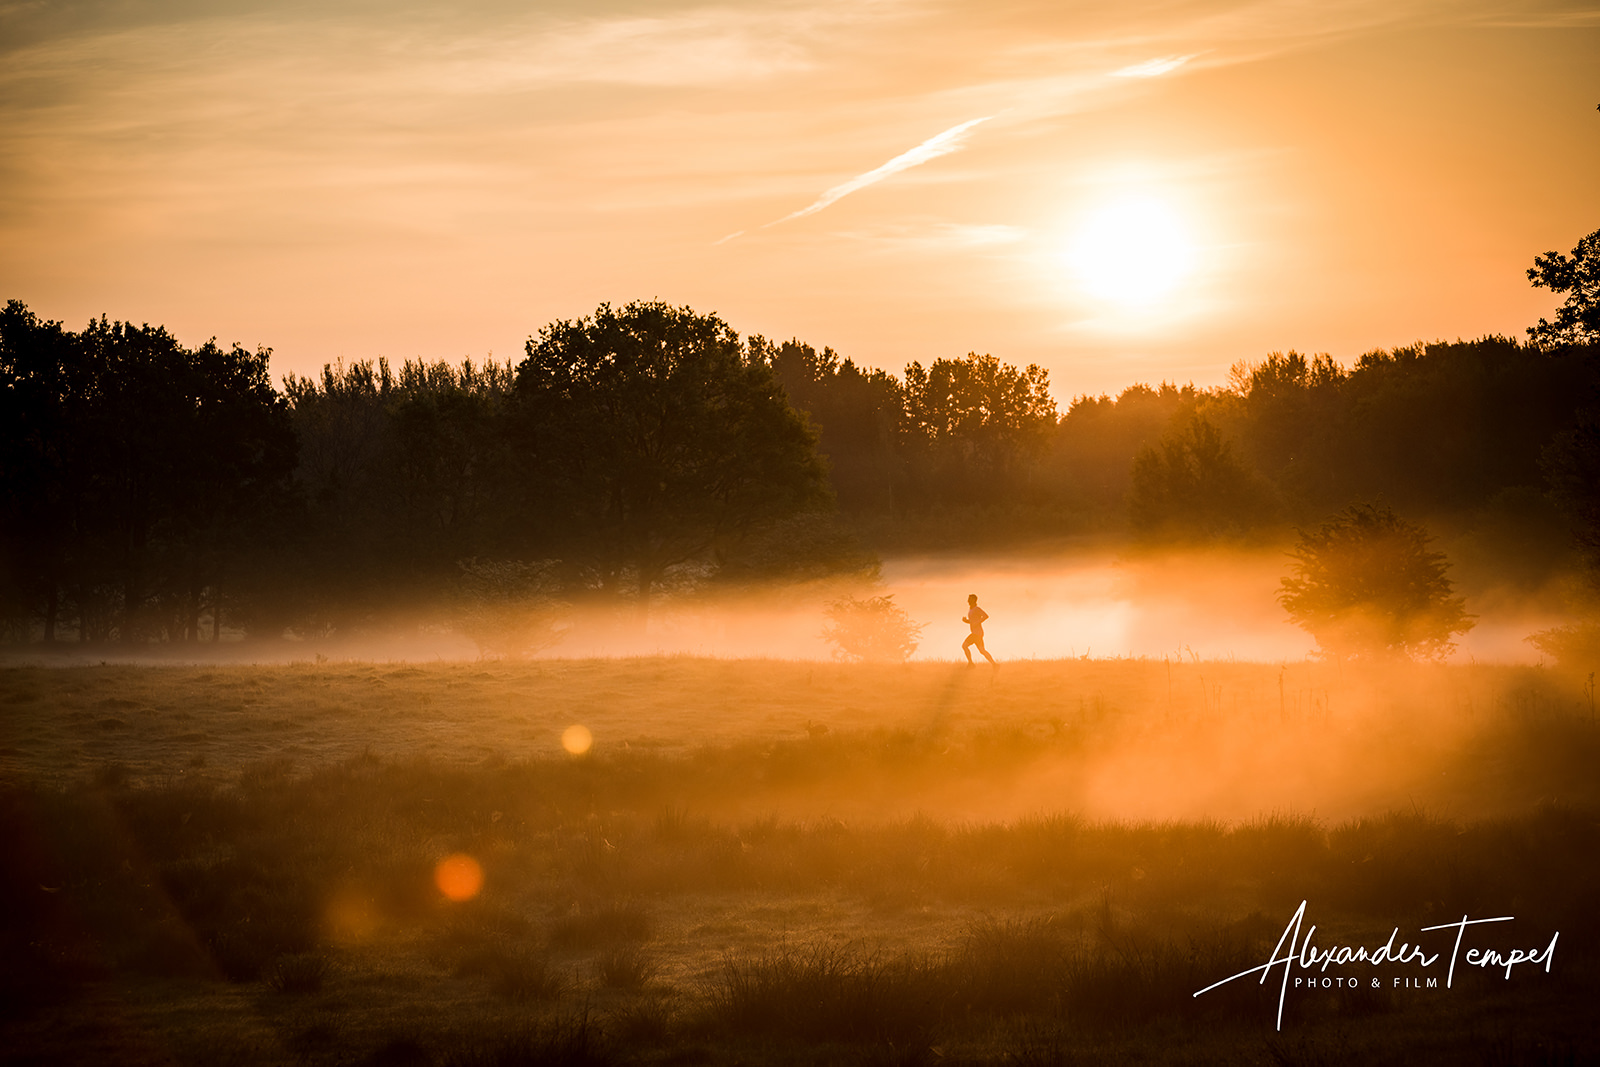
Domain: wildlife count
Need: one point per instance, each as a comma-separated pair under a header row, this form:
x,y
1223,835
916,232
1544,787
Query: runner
x,y
974,618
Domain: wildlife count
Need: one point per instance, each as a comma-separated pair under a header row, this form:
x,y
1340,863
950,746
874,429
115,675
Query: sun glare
x,y
1133,251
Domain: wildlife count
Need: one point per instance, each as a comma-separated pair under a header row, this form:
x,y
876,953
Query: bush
x,y
875,629
509,608
1366,585
1576,646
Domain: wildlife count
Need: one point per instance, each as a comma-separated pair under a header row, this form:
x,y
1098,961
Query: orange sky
x,y
362,179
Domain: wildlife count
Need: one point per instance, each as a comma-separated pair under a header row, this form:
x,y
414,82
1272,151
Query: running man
x,y
974,618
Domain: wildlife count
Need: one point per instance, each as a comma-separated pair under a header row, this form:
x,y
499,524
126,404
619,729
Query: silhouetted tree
x,y
978,424
136,467
810,546
1577,320
191,442
859,415
1448,425
650,435
404,474
341,552
1572,466
449,456
1292,416
42,392
1366,585
1091,454
1192,485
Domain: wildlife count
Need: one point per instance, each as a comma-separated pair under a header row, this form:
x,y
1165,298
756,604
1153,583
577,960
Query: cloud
x,y
1153,68
940,144
684,49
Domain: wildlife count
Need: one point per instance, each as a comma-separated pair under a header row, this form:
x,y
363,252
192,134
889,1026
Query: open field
x,y
788,861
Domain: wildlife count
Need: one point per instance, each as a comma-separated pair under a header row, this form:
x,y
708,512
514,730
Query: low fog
x,y
1218,604
1158,686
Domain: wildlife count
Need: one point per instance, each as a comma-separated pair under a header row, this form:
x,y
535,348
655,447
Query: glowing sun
x,y
1134,250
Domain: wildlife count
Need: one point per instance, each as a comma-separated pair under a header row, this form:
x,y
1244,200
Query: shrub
x,y
1575,646
1366,585
509,608
875,629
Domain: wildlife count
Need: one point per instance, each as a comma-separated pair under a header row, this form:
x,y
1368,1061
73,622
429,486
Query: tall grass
x,y
608,882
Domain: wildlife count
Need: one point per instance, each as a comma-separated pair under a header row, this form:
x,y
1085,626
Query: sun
x,y
1133,250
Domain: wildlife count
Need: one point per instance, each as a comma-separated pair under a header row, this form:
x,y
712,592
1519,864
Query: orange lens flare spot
x,y
577,739
459,877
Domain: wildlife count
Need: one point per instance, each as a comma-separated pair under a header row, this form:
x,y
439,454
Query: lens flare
x,y
576,739
459,877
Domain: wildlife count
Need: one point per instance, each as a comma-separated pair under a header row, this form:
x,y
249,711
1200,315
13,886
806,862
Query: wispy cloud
x,y
940,144
1153,68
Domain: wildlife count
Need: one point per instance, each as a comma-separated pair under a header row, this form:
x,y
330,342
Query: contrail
x,y
940,144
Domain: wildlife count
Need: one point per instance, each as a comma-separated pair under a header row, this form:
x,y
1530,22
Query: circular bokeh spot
x,y
577,739
459,877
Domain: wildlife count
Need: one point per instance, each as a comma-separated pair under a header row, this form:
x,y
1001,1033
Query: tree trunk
x,y
52,605
132,605
191,624
646,580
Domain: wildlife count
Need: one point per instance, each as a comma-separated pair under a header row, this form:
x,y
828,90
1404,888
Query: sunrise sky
x,y
1120,192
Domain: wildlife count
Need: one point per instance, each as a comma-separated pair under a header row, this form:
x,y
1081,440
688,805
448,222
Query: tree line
x,y
154,492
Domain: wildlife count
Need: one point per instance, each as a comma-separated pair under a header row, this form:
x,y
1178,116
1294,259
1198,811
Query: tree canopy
x,y
654,435
145,485
1578,277
978,422
1191,484
132,470
859,415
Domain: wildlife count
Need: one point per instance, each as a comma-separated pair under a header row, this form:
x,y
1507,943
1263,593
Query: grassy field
x,y
784,861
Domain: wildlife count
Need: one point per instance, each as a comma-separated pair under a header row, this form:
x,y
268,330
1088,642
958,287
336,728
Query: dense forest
x,y
155,492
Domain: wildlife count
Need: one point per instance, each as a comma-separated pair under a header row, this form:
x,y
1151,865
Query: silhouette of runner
x,y
974,618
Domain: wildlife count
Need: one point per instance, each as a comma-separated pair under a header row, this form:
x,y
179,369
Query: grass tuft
x,y
826,994
301,972
626,967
